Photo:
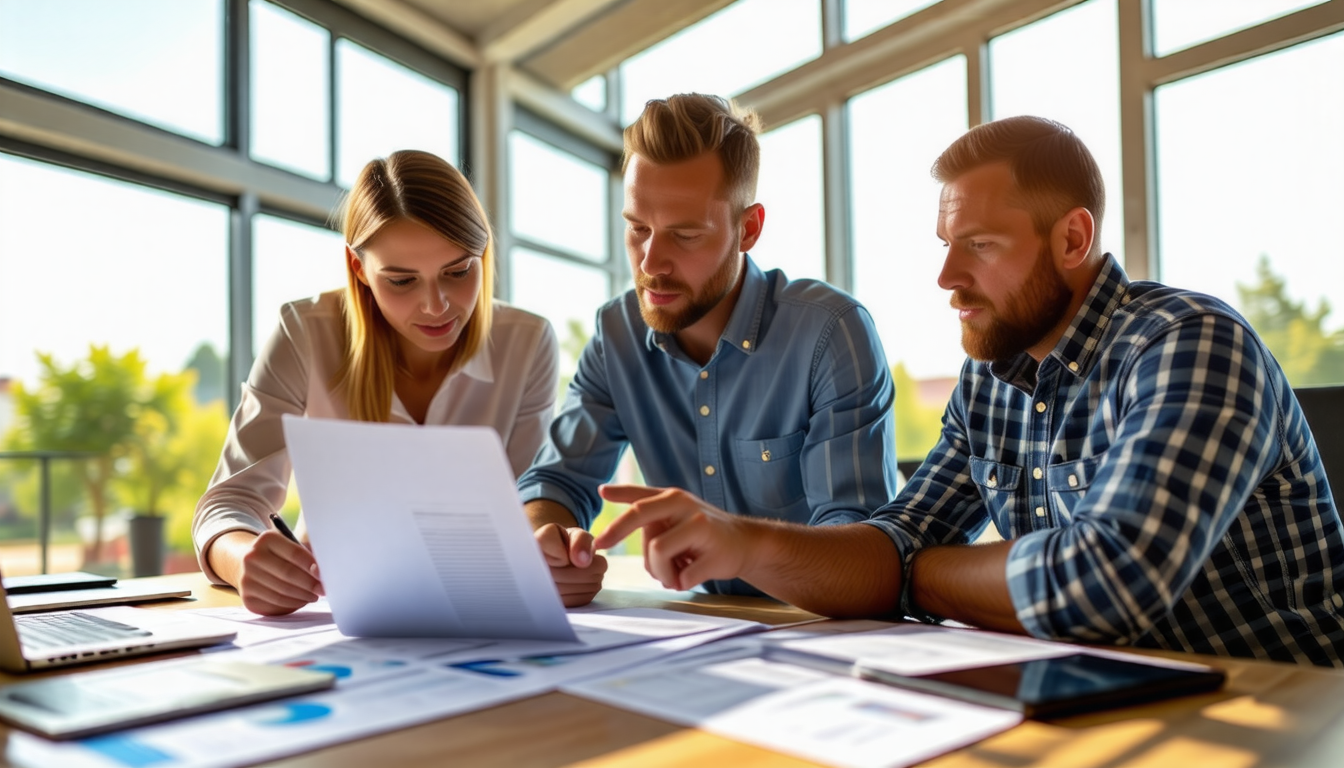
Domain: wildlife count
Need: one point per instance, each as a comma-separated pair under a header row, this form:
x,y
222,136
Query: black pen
x,y
283,528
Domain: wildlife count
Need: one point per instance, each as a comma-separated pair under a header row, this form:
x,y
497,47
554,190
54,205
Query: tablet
x,y
87,703
53,582
1059,686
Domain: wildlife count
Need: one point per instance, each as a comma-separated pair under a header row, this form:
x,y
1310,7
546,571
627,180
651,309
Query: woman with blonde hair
x,y
415,337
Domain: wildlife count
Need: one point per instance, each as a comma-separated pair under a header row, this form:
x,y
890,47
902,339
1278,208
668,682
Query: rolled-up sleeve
x,y
583,445
252,477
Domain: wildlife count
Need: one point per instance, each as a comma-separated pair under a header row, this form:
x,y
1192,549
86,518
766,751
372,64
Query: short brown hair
x,y
687,125
408,185
1051,167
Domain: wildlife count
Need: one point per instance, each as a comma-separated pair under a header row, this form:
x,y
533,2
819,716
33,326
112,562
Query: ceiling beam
x,y
906,46
419,27
609,39
532,26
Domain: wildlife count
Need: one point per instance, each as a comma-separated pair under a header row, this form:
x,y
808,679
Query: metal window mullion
x,y
240,295
237,77
1138,170
836,208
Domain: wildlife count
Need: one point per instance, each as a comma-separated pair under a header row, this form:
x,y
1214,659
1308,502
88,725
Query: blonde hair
x,y
413,186
687,125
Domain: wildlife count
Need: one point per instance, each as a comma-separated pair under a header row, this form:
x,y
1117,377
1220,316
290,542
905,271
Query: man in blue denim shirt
x,y
737,389
1136,446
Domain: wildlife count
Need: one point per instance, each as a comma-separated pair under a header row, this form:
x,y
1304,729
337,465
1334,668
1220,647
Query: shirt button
x,y
709,470
1338,600
704,374
1073,481
746,343
765,455
1040,407
1036,473
1073,367
704,410
1040,511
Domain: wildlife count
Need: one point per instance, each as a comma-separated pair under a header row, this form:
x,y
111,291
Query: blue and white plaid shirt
x,y
1156,476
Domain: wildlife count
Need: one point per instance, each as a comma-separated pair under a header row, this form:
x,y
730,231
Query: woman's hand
x,y
273,575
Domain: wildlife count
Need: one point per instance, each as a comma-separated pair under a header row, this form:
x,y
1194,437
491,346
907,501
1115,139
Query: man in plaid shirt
x,y
1137,447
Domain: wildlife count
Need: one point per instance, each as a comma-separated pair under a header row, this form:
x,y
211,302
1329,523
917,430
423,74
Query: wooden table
x,y
1268,714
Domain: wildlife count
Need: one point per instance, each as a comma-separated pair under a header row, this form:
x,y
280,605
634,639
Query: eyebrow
x,y
408,271
630,217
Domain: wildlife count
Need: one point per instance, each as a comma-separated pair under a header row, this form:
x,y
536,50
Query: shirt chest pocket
x,y
770,470
1068,482
997,483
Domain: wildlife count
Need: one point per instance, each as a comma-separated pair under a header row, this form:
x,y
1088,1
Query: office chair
x,y
1324,409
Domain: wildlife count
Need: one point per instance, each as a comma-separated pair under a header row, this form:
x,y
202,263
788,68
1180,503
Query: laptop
x,y
46,640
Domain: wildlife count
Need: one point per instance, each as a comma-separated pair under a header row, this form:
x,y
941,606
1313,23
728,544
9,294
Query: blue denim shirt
x,y
1156,476
790,419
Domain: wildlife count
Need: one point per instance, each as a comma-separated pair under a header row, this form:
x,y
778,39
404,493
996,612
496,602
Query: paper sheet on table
x,y
919,649
381,686
728,689
419,532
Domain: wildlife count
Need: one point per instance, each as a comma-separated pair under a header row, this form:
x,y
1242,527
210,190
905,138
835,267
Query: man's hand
x,y
273,575
686,540
576,569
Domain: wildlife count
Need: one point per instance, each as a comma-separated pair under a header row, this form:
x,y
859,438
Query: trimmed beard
x,y
1027,316
719,285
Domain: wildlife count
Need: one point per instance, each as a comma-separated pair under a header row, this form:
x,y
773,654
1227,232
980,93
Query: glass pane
x,y
290,261
1248,167
864,16
383,106
591,93
145,275
159,61
790,188
1065,67
565,293
712,56
897,255
556,198
291,107
1180,24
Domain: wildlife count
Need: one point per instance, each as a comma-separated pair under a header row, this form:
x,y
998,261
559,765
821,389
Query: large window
x,y
291,261
1249,162
112,332
291,78
557,199
159,61
790,189
896,132
1179,24
717,56
383,106
865,16
1066,67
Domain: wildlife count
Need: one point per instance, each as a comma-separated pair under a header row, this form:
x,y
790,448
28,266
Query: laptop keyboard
x,y
44,631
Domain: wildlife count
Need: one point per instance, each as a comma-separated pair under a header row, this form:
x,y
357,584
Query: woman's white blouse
x,y
510,385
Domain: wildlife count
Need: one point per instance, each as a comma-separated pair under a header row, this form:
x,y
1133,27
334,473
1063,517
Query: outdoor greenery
x,y
1310,354
151,445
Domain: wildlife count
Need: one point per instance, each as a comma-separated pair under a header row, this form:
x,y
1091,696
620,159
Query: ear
x,y
1072,237
356,266
753,220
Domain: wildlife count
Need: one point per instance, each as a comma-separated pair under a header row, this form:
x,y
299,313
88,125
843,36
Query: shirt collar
x,y
744,324
1078,346
480,367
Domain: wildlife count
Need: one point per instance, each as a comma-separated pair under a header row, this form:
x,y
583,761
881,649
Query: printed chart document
x,y
419,532
728,689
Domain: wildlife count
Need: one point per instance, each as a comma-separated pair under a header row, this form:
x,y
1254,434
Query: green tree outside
x,y
1310,354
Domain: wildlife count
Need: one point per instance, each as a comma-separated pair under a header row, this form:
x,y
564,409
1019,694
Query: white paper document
x,y
726,688
919,649
419,532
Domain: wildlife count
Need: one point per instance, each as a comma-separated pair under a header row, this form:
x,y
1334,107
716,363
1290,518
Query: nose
x,y
436,299
953,275
654,259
